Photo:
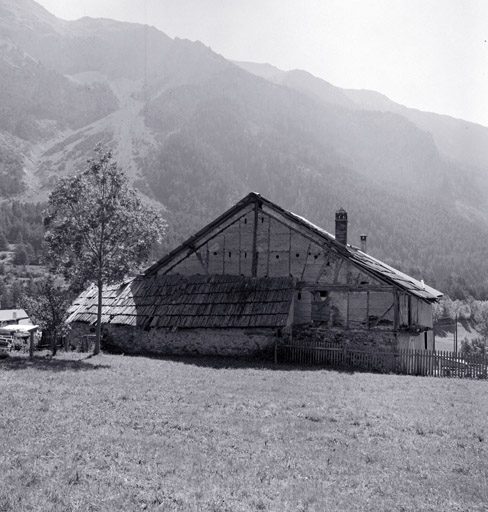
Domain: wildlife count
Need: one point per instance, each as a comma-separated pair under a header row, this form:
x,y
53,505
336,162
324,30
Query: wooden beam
x,y
254,268
177,259
269,246
240,246
306,260
367,308
200,259
289,252
338,270
310,286
396,312
322,268
377,321
317,239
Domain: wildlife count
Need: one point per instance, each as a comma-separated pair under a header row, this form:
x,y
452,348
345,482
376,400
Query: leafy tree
x,y
48,307
97,228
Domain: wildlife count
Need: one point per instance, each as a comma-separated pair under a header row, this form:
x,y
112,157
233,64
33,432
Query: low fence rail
x,y
407,362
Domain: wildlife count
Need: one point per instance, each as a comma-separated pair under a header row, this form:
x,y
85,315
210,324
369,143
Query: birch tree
x,y
98,230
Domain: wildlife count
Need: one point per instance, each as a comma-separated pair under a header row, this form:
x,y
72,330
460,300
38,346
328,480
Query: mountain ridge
x,y
195,132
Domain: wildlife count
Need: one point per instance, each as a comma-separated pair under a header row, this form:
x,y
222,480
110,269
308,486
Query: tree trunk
x,y
53,342
31,344
98,332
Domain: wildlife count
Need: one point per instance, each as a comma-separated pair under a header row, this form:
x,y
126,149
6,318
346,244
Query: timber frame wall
x,y
257,239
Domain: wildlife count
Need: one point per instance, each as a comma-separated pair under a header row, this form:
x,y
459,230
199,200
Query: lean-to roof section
x,y
190,302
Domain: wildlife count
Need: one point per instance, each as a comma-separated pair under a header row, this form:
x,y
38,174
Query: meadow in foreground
x,y
115,433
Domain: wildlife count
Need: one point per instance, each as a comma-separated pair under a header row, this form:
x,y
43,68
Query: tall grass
x,y
115,433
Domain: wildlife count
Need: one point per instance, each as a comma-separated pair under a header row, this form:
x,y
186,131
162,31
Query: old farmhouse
x,y
256,274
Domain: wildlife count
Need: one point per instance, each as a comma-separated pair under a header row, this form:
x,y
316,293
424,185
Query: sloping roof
x,y
374,266
393,275
377,268
18,328
9,315
190,302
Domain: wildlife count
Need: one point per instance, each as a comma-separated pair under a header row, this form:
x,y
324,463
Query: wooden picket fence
x,y
407,362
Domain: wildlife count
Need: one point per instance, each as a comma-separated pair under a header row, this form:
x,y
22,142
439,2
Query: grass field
x,y
115,433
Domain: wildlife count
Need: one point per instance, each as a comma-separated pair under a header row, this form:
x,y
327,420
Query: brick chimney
x,y
363,242
341,226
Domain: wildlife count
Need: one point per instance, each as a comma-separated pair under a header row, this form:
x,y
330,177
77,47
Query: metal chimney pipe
x,y
363,242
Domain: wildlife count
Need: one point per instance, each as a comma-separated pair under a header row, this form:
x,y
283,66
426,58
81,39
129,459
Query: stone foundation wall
x,y
225,342
382,341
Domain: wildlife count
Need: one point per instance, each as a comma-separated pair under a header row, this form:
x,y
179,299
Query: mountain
x,y
196,132
462,146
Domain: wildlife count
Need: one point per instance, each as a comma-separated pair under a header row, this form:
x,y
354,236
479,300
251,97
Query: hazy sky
x,y
426,54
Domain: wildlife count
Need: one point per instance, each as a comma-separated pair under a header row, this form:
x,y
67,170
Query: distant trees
x,y
3,242
20,257
21,223
5,296
97,228
11,171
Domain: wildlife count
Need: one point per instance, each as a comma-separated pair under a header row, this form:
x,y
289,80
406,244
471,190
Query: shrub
x,y
476,346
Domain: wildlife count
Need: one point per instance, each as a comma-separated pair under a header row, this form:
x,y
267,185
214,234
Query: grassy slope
x,y
445,340
119,433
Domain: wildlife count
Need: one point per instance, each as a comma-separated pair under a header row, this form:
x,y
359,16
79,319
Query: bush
x,y
475,347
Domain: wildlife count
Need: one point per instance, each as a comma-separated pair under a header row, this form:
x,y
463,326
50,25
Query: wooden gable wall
x,y
282,249
259,241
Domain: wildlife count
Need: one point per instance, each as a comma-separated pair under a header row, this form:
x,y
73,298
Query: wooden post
x,y
456,336
31,344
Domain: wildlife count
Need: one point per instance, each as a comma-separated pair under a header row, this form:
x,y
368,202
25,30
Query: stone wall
x,y
382,341
225,342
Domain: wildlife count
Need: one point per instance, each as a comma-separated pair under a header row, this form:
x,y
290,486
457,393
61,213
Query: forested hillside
x,y
196,132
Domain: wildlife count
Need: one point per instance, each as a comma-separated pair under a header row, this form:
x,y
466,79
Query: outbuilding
x,y
253,277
